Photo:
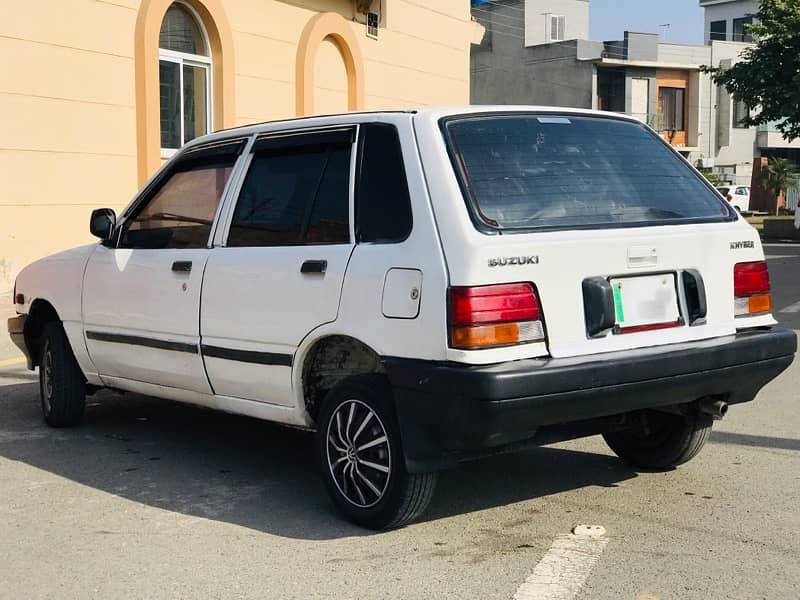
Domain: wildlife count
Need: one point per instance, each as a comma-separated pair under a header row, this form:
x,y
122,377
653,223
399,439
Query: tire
x,y
663,441
62,386
369,485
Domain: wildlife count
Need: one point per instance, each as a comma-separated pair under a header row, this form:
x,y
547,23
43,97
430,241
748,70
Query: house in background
x,y
660,84
95,95
727,21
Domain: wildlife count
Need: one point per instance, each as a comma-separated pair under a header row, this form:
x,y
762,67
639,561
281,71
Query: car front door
x,y
279,272
141,298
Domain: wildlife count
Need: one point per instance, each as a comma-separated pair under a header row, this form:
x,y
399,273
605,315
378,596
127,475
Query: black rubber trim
x,y
135,340
247,356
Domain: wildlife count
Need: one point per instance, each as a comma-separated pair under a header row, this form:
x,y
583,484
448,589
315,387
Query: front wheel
x,y
361,456
661,441
61,383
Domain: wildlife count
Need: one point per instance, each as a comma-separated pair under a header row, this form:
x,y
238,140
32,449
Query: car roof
x,y
423,113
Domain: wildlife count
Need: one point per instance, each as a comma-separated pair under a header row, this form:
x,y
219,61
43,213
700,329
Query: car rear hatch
x,y
587,234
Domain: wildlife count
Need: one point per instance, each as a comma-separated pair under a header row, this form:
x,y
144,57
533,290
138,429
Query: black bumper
x,y
16,331
448,411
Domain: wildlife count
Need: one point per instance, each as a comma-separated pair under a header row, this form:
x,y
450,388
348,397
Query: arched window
x,y
184,71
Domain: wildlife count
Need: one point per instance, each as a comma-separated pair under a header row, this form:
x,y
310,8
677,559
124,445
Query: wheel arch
x,y
326,361
40,313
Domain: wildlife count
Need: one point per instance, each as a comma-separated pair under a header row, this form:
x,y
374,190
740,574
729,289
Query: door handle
x,y
182,266
314,267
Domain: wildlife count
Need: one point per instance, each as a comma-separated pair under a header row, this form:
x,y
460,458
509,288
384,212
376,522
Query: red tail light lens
x,y
493,304
494,315
730,197
750,278
751,288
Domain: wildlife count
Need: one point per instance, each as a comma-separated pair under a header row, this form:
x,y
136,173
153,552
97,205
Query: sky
x,y
610,18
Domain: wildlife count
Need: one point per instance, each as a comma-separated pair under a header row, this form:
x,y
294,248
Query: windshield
x,y
529,171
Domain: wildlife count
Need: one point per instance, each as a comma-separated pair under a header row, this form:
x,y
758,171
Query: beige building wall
x,y
68,94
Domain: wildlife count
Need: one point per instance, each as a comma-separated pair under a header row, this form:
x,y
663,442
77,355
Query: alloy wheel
x,y
47,377
359,453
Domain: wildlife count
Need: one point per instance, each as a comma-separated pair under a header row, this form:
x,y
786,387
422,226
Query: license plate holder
x,y
645,302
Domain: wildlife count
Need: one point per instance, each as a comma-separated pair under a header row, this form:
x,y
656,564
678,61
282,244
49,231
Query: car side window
x,y
741,191
297,191
383,202
179,211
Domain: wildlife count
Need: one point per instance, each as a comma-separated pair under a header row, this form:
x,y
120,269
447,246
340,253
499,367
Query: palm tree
x,y
779,176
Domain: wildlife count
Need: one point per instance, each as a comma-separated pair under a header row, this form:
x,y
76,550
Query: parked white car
x,y
420,288
737,195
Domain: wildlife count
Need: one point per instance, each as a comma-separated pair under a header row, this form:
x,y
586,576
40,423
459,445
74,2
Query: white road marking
x,y
563,570
771,256
794,308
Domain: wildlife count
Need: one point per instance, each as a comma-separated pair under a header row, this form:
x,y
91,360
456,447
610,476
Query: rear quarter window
x,y
522,172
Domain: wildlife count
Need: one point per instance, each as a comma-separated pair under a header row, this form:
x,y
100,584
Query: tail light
x,y
751,288
730,197
491,316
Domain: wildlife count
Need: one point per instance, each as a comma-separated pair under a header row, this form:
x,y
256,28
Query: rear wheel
x,y
62,386
661,441
361,456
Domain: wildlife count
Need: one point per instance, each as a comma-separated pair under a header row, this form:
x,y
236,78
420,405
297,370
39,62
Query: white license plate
x,y
646,300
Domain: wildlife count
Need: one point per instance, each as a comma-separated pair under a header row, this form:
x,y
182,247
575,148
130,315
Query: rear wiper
x,y
666,214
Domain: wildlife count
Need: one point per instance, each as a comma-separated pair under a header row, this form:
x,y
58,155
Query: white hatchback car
x,y
737,195
420,288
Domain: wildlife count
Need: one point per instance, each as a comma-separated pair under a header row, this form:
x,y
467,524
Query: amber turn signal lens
x,y
759,304
484,336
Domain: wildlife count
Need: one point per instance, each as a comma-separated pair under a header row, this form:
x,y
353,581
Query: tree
x,y
779,176
768,77
712,177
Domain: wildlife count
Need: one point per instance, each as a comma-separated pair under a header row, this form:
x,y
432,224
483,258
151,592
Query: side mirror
x,y
102,223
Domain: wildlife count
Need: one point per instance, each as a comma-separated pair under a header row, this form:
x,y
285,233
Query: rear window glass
x,y
529,172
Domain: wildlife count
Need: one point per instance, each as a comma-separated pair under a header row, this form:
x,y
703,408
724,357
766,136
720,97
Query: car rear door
x,y
141,298
278,271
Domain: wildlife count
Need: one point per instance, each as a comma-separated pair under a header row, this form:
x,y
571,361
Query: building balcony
x,y
768,136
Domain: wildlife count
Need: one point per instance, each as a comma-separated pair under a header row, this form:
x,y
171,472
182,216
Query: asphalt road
x,y
153,499
784,268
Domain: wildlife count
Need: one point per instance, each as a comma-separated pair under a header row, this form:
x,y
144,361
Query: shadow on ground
x,y
764,441
248,472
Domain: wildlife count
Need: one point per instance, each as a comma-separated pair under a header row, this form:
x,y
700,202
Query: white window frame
x,y
192,60
553,34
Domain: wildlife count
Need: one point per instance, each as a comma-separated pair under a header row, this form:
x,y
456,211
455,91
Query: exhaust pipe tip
x,y
716,408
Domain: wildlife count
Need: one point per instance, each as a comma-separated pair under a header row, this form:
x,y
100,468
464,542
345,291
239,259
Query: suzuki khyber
x,y
419,288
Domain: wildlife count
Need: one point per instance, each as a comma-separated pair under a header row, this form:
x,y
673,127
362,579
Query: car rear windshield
x,y
527,171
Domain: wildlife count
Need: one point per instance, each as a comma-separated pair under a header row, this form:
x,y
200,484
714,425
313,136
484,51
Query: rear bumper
x,y
448,411
16,331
